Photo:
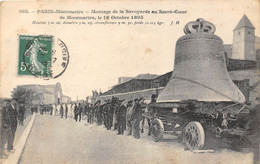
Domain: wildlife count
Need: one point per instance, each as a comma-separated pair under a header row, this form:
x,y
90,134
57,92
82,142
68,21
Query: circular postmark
x,y
44,56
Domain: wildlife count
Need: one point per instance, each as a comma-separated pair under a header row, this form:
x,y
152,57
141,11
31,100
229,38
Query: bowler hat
x,y
130,101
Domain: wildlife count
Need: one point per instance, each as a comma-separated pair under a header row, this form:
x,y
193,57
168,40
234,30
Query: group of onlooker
x,y
124,115
67,110
114,114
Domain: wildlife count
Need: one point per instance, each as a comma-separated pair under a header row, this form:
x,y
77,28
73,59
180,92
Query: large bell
x,y
200,71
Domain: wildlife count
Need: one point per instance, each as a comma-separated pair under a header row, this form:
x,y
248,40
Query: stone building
x,y
244,38
242,63
49,93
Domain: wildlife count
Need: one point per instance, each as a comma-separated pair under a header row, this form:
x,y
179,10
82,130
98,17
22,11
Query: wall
x,y
253,87
49,98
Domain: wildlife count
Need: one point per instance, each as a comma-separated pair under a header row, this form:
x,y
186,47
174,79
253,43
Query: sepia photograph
x,y
129,82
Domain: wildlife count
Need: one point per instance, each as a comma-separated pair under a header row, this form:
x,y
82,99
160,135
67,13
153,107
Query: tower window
x,y
249,32
238,32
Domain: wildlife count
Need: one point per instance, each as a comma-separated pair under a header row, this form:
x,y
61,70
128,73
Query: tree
x,y
27,96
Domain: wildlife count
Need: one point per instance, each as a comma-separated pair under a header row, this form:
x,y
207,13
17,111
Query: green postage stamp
x,y
35,55
42,56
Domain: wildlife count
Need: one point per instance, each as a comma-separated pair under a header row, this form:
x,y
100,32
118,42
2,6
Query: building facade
x,y
243,47
49,94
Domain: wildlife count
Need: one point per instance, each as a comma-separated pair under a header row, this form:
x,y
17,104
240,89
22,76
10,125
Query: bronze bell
x,y
200,71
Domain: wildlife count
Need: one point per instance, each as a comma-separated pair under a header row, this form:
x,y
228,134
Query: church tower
x,y
244,40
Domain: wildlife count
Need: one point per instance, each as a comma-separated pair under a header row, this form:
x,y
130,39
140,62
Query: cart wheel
x,y
194,136
157,130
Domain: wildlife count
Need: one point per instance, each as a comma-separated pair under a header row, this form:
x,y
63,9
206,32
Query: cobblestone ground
x,y
64,141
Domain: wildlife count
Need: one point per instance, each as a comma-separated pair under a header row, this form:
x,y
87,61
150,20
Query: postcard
x,y
145,81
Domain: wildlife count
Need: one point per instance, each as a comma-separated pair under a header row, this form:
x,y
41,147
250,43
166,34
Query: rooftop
x,y
244,22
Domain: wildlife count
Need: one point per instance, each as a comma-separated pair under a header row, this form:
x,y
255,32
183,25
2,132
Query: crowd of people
x,y
12,113
113,114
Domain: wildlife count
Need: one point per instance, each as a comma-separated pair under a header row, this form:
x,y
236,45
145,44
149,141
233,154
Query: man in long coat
x,y
110,116
21,113
61,111
121,116
105,113
13,124
129,113
80,111
66,111
148,110
136,117
5,127
76,111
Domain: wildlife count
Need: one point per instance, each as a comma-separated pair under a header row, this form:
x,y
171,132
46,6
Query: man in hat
x,y
129,112
121,116
148,110
21,113
110,115
5,127
11,107
41,108
90,114
137,117
66,110
76,111
105,113
61,110
116,106
80,108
